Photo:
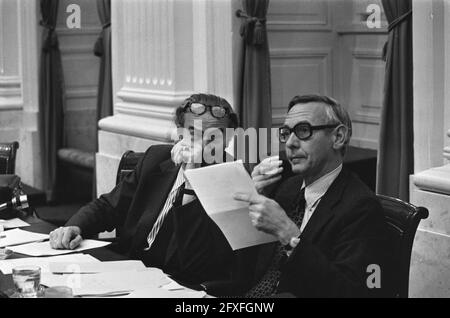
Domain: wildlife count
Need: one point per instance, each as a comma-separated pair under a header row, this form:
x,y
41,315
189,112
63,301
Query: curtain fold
x,y
396,152
253,87
102,49
51,97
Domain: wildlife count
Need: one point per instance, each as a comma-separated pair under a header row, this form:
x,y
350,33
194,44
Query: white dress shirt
x,y
315,191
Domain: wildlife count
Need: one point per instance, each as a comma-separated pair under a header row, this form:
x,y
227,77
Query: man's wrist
x,y
75,228
292,232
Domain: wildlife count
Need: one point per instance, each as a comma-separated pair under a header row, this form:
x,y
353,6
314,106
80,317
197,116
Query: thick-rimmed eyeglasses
x,y
200,109
302,130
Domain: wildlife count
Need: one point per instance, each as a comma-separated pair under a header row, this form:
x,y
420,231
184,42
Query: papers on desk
x,y
164,293
108,283
6,266
18,236
13,223
44,248
68,267
214,186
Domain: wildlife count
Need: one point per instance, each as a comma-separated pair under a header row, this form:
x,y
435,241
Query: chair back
x,y
8,157
127,164
403,219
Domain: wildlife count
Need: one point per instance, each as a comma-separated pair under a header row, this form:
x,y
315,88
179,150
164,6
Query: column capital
x,y
162,52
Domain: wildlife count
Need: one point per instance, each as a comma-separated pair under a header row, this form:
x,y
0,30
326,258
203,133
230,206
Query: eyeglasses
x,y
302,130
200,109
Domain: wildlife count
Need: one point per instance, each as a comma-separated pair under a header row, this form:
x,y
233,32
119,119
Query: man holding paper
x,y
159,219
330,226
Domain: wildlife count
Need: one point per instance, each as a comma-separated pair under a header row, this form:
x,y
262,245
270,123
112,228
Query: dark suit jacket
x,y
188,246
345,234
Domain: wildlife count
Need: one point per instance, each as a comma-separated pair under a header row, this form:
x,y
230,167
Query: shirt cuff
x,y
293,242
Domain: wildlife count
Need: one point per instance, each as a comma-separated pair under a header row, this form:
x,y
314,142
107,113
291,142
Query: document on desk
x,y
6,266
18,236
13,223
44,248
214,186
164,293
109,283
65,267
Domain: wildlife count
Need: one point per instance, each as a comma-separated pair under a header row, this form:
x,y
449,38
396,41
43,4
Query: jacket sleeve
x,y
109,210
312,273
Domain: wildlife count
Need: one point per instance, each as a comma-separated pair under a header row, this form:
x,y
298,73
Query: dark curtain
x,y
253,91
51,96
396,157
103,50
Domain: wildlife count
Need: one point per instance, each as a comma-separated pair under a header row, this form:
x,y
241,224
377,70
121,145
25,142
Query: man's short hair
x,y
335,112
207,100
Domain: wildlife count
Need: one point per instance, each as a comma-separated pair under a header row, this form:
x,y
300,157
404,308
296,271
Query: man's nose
x,y
293,141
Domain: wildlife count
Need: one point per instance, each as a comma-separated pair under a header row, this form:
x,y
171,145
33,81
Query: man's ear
x,y
339,137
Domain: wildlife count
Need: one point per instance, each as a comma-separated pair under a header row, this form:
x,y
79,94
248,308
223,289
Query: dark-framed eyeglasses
x,y
199,109
302,130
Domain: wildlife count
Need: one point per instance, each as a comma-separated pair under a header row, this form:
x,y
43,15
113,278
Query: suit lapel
x,y
160,184
324,211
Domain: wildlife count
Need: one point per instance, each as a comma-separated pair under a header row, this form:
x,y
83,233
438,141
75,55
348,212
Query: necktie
x,y
179,196
268,284
175,198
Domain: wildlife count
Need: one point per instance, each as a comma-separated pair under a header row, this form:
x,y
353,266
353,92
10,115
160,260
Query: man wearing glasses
x,y
329,225
160,220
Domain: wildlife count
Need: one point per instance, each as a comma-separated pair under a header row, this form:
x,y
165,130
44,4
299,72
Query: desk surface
x,y
39,226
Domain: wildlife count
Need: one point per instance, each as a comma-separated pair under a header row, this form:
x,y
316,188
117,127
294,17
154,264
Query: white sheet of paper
x,y
106,283
214,186
173,285
6,266
18,236
13,223
164,293
100,267
44,248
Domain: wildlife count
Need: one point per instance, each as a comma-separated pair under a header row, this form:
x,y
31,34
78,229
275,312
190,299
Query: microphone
x,y
18,203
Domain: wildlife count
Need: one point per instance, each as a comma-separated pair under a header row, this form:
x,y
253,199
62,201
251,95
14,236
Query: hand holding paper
x,y
268,216
214,186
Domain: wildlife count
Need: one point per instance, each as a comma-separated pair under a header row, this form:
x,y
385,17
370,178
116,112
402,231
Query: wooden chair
x,y
403,219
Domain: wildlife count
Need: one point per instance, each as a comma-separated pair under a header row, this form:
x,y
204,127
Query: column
x,y
163,51
19,85
430,184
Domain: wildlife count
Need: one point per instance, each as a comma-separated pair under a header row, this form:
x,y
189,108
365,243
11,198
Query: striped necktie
x,y
268,284
174,199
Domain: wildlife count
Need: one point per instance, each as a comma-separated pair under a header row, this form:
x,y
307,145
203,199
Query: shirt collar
x,y
318,188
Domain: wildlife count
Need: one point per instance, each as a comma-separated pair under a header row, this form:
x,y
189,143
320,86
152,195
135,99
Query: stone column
x,y
430,184
163,51
19,52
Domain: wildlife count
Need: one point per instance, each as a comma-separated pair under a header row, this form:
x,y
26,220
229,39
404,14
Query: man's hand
x,y
266,173
267,216
68,237
188,154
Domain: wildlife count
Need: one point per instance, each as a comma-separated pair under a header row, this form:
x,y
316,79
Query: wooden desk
x,y
39,226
